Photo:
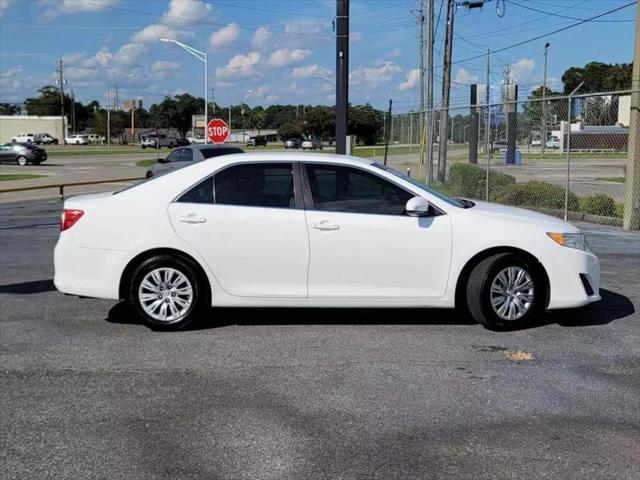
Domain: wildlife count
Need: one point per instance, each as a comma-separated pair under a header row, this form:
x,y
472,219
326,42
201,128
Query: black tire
x,y
149,174
55,142
200,299
479,292
22,161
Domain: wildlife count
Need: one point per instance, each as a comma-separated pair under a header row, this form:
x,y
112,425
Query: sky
x,y
264,52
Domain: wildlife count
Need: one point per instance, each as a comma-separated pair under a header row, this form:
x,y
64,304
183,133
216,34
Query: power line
x,y
554,14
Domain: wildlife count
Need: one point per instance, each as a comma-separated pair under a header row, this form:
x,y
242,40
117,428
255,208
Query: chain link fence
x,y
562,155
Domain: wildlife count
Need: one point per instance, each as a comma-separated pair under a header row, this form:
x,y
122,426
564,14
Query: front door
x,y
246,223
363,245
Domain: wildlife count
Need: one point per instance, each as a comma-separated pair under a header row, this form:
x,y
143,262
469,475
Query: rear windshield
x,y
216,152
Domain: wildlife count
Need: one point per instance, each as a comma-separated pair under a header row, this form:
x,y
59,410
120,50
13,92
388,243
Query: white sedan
x,y
308,230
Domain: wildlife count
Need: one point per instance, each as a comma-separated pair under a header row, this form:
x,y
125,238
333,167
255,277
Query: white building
x,y
12,125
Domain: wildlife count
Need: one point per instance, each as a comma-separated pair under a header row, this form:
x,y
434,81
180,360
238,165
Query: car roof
x,y
300,157
212,145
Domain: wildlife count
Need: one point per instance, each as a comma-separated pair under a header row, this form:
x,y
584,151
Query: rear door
x,y
248,223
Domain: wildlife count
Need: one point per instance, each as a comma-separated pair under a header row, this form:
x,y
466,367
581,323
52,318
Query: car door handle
x,y
324,225
193,219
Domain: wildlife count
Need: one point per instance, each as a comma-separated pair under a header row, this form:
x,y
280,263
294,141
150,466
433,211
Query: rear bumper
x,y
564,267
87,272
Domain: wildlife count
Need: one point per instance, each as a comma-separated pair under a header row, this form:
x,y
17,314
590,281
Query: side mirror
x,y
162,160
417,207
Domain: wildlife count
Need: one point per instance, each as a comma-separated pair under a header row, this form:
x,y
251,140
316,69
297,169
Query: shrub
x,y
469,181
598,204
541,195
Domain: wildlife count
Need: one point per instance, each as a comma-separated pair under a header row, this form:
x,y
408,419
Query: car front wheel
x,y
166,292
504,291
22,161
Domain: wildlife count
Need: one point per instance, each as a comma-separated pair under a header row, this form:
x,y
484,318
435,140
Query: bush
x,y
541,195
598,204
469,181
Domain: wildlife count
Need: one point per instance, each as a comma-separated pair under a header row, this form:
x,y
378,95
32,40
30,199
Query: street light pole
x,y
202,56
130,75
543,139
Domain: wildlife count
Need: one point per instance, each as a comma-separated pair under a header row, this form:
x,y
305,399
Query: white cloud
x,y
395,53
412,80
285,56
308,71
80,73
160,66
465,78
523,71
224,37
372,76
187,11
154,33
304,34
239,66
130,54
355,37
4,5
53,8
260,92
262,38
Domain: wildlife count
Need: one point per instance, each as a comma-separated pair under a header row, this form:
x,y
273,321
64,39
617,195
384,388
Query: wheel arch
x,y
463,277
127,273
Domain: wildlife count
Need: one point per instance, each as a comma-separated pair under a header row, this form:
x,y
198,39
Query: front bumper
x,y
564,267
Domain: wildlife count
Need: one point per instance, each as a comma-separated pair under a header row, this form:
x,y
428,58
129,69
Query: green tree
x,y
258,118
365,123
290,130
47,103
319,122
9,109
598,77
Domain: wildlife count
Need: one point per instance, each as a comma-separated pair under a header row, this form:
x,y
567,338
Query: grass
x,y
611,179
81,152
4,177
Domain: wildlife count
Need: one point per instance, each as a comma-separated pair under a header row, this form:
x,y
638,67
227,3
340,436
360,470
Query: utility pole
x,y
421,60
487,125
631,218
389,132
446,87
213,99
61,84
543,134
342,75
429,115
73,111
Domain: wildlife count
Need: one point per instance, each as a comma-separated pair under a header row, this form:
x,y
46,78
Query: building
x,y
12,125
594,137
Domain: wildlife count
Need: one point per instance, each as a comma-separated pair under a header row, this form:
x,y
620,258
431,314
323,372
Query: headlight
x,y
571,240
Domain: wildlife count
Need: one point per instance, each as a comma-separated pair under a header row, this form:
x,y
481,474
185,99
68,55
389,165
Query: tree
x,y
47,103
598,77
320,122
365,123
258,118
290,130
9,109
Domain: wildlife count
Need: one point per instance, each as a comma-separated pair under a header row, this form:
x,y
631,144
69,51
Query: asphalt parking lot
x,y
88,392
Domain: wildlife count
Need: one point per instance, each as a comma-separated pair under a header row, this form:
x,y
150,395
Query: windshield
x,y
422,186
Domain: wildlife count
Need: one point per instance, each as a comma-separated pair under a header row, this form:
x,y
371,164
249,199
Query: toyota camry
x,y
312,230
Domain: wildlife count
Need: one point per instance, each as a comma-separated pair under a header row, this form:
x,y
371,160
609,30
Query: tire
x,y
486,282
149,174
182,309
55,142
22,161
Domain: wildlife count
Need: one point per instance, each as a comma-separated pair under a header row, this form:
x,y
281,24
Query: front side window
x,y
344,189
186,155
173,157
256,185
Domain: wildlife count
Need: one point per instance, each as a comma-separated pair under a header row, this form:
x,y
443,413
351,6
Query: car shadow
x,y
26,288
613,306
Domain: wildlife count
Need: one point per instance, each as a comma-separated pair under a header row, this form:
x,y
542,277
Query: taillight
x,y
69,218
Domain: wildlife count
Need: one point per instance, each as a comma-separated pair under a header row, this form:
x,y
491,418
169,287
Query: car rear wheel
x,y
504,291
166,292
149,174
22,161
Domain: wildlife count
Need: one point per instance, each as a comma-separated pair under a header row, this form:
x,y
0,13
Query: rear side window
x,y
215,152
345,189
256,185
201,193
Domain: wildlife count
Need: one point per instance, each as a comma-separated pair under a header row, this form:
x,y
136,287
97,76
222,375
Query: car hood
x,y
522,215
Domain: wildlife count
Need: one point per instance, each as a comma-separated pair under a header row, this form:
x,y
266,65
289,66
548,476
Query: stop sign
x,y
218,131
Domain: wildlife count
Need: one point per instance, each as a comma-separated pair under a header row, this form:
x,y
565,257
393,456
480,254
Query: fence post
x,y
488,151
61,191
568,145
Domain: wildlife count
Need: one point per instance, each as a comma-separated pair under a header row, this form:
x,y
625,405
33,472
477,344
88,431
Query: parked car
x,y
499,146
44,139
315,230
159,141
553,142
312,144
536,142
22,154
23,138
78,139
194,139
183,157
293,143
257,141
95,138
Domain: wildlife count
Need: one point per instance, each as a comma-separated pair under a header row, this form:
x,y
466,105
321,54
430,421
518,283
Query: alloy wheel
x,y
512,293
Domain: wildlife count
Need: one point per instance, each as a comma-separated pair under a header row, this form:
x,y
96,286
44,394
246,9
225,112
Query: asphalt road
x,y
88,392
